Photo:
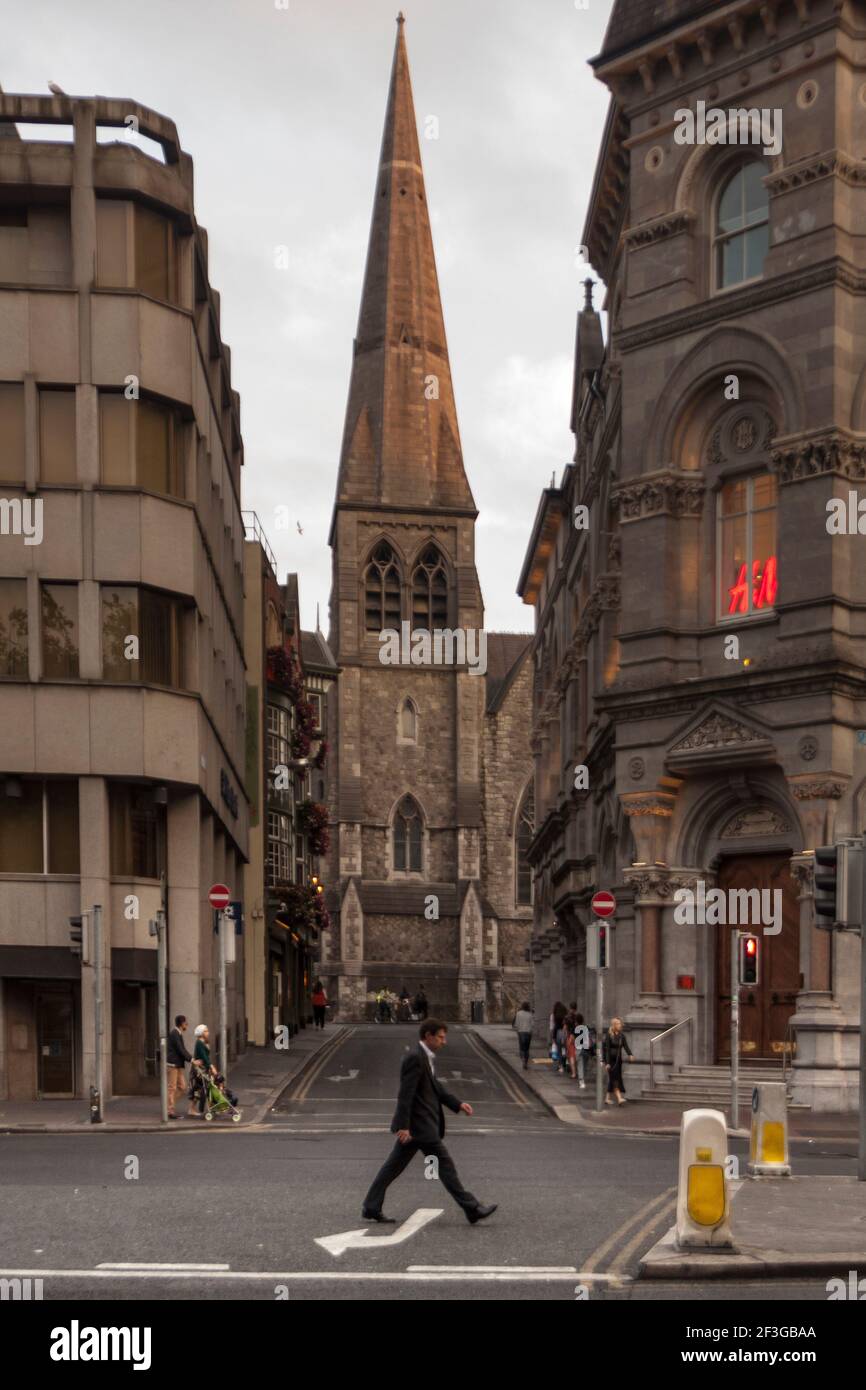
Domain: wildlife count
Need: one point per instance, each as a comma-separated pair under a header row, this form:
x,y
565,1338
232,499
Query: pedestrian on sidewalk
x,y
524,1023
199,1071
320,1004
581,1046
615,1043
419,1123
176,1059
420,1003
557,1050
568,1028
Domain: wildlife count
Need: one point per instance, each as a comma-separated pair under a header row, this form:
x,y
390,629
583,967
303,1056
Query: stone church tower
x,y
408,855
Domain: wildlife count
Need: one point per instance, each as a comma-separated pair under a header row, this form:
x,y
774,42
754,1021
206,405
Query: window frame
x,y
720,239
749,478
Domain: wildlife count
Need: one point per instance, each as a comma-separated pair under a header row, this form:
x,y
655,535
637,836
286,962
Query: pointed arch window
x,y
430,591
742,231
408,726
407,837
382,590
524,834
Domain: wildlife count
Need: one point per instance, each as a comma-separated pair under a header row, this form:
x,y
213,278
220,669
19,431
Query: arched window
x,y
430,591
382,590
524,833
408,725
742,231
407,837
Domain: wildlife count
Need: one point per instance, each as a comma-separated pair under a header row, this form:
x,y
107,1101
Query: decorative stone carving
x,y
636,769
680,494
659,228
823,166
744,435
718,731
759,820
824,788
803,875
808,748
649,885
828,452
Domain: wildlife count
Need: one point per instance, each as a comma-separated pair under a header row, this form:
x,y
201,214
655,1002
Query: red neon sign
x,y
765,587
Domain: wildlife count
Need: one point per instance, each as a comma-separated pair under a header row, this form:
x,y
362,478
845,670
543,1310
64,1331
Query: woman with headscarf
x,y
199,1071
615,1043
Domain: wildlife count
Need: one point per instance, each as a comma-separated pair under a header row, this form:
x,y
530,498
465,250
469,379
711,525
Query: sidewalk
x,y
781,1227
572,1106
257,1079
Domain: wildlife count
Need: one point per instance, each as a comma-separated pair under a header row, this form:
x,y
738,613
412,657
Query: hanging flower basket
x,y
314,822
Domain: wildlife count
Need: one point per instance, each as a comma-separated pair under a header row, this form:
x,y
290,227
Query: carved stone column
x,y
817,798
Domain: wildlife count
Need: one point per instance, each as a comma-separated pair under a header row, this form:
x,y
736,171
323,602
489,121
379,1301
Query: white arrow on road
x,y
467,1080
351,1077
354,1240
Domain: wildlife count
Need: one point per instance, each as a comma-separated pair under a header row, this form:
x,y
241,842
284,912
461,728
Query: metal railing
x,y
659,1037
254,532
788,1049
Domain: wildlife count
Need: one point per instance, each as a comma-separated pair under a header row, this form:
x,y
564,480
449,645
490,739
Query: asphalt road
x,y
238,1213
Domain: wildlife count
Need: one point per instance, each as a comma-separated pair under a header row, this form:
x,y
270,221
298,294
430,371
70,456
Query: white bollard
x,y
768,1149
703,1206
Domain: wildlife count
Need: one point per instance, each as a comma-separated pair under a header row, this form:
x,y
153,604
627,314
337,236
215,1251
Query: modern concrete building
x,y
289,675
700,633
121,660
432,760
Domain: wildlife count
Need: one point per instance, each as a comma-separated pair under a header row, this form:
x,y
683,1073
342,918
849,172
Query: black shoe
x,y
378,1216
479,1213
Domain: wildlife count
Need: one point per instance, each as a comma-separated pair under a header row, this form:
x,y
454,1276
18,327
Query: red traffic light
x,y
751,946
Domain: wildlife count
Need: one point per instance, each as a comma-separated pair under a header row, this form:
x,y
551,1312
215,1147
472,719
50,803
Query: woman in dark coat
x,y
615,1044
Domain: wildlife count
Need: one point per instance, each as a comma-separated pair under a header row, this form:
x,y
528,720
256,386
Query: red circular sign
x,y
219,896
603,904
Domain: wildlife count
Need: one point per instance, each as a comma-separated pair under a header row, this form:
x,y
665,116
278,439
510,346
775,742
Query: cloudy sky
x,y
282,111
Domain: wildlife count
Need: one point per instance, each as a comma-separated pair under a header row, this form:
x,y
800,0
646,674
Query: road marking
x,y
498,1070
196,1268
566,1270
409,1276
322,1060
354,1240
625,1229
664,1213
353,1072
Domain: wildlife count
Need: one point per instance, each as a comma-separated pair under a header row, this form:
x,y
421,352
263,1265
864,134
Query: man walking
x,y
419,1123
175,1061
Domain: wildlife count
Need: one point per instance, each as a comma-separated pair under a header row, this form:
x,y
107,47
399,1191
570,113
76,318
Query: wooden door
x,y
766,1007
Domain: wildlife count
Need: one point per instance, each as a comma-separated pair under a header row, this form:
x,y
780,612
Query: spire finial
x,y
587,287
401,18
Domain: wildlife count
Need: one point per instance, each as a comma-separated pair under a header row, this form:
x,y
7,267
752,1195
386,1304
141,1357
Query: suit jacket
x,y
421,1098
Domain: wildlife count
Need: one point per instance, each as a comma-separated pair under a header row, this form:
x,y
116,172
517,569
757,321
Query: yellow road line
x,y
321,1062
625,1229
499,1068
643,1234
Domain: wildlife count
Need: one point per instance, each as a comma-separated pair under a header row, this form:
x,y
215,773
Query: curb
x,y
734,1264
178,1127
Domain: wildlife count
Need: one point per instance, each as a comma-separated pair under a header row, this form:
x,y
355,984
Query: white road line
x,y
410,1276
540,1270
191,1268
363,1239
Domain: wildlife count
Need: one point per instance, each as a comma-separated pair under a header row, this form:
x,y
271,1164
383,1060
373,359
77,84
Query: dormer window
x,y
742,231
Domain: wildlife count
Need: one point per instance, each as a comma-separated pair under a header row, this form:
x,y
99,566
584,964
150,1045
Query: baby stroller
x,y
214,1096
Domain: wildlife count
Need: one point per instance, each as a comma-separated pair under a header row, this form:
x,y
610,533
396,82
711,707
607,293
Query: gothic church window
x,y
382,590
525,832
430,591
742,231
408,722
407,837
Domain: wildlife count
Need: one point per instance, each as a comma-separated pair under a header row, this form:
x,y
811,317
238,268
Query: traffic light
x,y
839,885
749,955
76,935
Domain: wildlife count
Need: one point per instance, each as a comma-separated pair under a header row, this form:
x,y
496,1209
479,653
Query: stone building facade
x,y
701,642
121,649
431,759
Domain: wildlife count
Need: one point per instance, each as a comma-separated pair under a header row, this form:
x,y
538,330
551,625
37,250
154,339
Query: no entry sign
x,y
219,896
603,904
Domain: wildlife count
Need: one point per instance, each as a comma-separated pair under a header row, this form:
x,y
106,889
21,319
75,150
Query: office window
x,y
156,430
60,630
136,248
116,424
157,622
748,570
155,255
119,623
57,436
13,627
11,432
137,831
38,826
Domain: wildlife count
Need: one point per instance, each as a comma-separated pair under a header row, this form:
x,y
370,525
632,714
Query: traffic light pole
x,y
599,1040
861,1157
735,1030
223,1048
96,1109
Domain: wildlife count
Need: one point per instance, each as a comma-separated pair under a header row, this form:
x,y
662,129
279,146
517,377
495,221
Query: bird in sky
x,y
300,528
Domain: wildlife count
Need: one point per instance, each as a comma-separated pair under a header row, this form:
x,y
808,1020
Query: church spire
x,y
401,444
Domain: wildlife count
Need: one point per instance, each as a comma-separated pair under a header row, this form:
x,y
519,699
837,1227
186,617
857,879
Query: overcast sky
x,y
282,112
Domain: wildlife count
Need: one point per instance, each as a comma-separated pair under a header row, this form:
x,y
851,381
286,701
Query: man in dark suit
x,y
419,1123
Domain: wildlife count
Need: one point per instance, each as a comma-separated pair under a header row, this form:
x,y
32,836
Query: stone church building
x,y
432,799
701,642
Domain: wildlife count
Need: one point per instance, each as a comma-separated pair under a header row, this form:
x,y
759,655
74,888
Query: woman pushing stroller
x,y
208,1093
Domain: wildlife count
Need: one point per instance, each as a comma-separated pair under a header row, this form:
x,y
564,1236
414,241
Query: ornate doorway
x,y
766,1007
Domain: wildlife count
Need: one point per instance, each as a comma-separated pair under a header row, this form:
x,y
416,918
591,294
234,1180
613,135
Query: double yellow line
x,y
646,1220
500,1069
320,1061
